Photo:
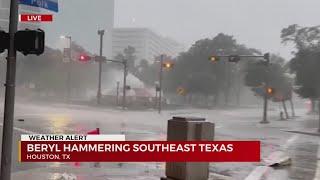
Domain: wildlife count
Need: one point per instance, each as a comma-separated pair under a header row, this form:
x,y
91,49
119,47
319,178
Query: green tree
x,y
305,62
219,77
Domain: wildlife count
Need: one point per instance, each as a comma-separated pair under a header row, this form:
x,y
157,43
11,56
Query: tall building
x,y
81,20
147,43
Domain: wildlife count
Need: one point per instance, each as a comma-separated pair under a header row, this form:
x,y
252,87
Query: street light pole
x,y
69,66
125,73
160,84
7,129
100,33
69,70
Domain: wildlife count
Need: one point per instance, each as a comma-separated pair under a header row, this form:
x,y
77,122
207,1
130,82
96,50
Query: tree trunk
x,y
285,109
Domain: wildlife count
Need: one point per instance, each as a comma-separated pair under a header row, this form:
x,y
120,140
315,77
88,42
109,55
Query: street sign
x,y
181,91
51,5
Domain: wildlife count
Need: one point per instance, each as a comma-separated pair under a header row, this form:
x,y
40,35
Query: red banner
x,y
140,151
35,17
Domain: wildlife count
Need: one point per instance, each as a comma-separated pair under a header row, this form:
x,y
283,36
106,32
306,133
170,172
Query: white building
x,y
147,44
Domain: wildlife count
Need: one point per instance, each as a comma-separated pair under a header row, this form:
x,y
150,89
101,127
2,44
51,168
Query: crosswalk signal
x,y
30,41
4,39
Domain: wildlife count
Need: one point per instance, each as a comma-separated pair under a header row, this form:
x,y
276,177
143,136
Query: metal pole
x,y
265,99
118,84
124,84
156,99
292,108
69,71
285,109
101,33
6,156
160,84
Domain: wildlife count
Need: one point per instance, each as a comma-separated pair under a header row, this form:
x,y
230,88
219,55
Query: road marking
x,y
317,175
22,130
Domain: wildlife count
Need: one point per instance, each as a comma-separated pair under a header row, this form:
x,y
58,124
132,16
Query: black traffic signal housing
x,y
4,41
128,87
234,58
266,56
30,41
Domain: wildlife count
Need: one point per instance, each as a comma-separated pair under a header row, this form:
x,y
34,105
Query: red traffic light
x,y
84,58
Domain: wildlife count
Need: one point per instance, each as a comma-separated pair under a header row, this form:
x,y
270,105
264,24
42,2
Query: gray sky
x,y
256,23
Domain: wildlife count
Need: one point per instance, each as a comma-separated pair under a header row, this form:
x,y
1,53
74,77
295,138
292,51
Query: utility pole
x,y
100,33
125,73
69,70
69,66
6,156
265,98
160,84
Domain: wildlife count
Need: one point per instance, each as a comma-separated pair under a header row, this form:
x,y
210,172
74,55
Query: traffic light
x,y
84,58
4,41
128,87
30,41
266,56
270,91
234,58
214,58
168,65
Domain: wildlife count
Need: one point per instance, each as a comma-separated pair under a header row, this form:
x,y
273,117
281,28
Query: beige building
x,y
147,43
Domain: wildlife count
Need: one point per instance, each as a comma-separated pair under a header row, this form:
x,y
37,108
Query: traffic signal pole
x,y
69,70
160,84
7,130
125,73
101,33
265,98
236,58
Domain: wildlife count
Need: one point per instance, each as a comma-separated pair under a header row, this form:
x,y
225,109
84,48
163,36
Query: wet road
x,y
238,124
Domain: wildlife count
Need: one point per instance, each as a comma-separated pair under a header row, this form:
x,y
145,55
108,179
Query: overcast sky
x,y
256,23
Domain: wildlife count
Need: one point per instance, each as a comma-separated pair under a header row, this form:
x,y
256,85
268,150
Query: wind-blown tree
x,y
305,63
129,55
212,79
